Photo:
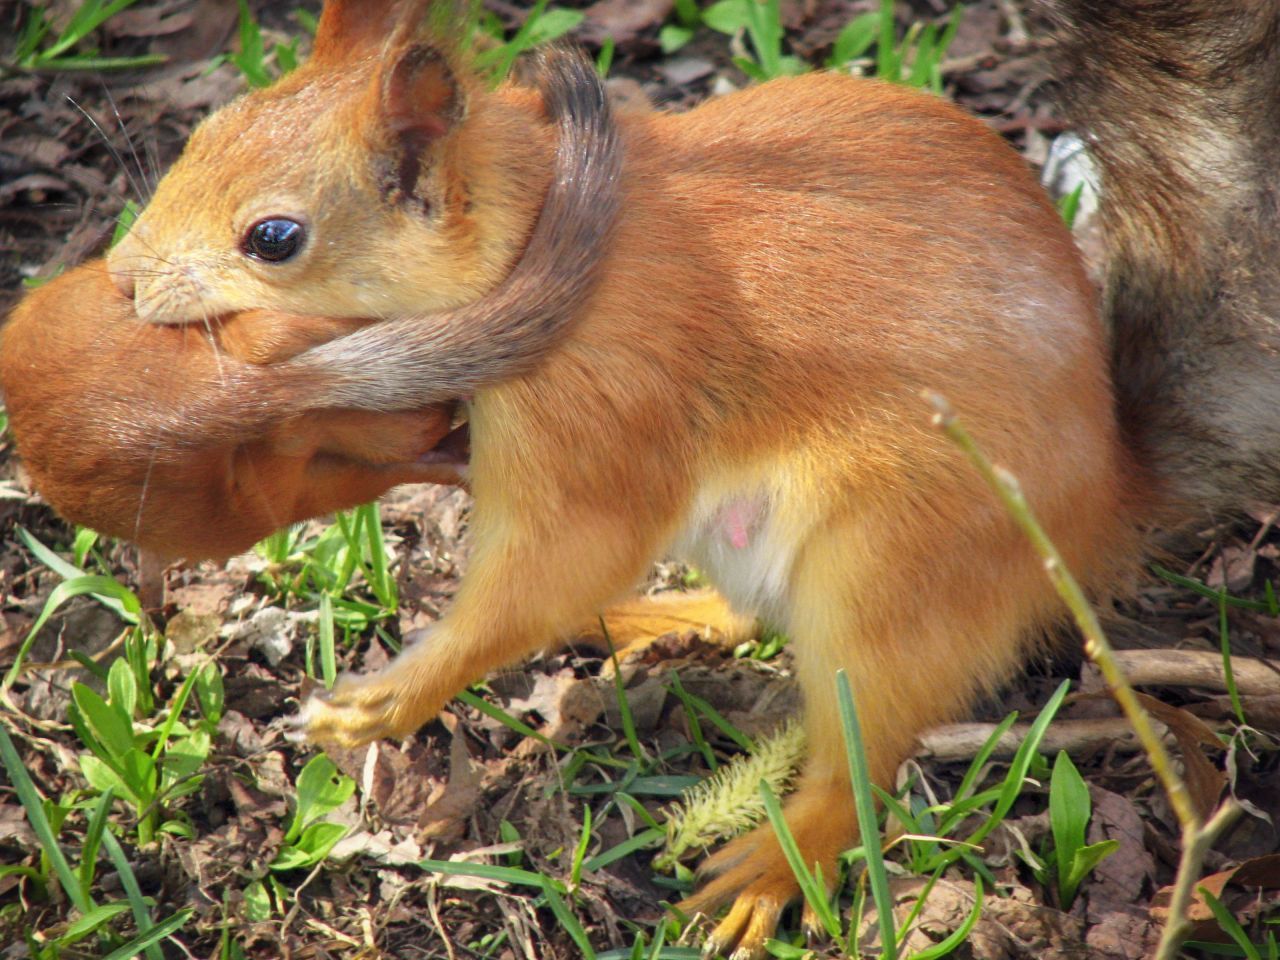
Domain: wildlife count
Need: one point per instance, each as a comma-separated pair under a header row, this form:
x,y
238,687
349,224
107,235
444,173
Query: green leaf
x,y
92,920
1085,859
257,902
751,69
138,770
210,692
1069,809
86,538
320,788
102,777
112,729
1069,205
673,36
728,16
554,24
855,39
122,688
312,846
184,758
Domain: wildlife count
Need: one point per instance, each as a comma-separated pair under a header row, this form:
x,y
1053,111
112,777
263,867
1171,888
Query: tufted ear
x,y
352,29
420,100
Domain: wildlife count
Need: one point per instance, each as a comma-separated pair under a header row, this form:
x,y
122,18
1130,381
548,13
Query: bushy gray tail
x,y
1179,101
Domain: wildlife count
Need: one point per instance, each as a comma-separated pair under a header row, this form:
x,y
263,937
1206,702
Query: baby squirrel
x,y
705,333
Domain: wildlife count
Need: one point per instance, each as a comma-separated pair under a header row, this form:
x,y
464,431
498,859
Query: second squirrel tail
x,y
1179,102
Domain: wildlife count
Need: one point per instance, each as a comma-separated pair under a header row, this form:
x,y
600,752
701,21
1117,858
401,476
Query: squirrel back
x,y
1180,106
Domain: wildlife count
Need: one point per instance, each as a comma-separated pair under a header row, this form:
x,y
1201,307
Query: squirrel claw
x,y
356,711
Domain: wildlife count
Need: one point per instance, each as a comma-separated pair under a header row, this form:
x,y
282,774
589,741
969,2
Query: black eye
x,y
274,240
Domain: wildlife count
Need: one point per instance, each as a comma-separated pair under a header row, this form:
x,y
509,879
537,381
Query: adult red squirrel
x,y
706,333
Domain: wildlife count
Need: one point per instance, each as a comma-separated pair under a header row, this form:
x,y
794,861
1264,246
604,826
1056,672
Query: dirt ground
x,y
74,147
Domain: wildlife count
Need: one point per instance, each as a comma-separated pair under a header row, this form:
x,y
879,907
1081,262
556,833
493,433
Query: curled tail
x,y
1179,101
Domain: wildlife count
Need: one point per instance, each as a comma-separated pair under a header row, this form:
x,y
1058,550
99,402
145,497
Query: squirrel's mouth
x,y
453,450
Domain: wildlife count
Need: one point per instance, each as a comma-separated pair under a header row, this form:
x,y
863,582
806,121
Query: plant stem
x,y
1196,836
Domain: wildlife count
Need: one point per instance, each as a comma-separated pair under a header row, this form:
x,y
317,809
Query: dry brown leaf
x,y
1256,875
1204,780
1122,875
447,813
567,704
1009,928
624,20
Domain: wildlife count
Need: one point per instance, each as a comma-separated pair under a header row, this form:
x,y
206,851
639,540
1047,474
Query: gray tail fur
x,y
1179,101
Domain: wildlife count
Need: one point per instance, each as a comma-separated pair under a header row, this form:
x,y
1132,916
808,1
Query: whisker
x,y
142,495
207,323
111,147
153,161
128,141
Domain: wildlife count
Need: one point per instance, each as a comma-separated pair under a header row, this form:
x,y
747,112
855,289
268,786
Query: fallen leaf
x,y
623,20
1205,781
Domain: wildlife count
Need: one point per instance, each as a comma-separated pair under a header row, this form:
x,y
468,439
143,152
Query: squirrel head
x,y
340,190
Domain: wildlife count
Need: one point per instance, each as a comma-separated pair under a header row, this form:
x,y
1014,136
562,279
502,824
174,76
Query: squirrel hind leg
x,y
910,664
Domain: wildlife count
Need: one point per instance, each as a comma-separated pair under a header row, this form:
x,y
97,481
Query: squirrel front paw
x,y
391,702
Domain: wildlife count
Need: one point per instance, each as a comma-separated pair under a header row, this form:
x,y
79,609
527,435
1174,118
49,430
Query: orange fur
x,y
80,371
791,267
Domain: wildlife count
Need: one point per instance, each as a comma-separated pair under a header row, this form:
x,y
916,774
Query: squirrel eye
x,y
274,240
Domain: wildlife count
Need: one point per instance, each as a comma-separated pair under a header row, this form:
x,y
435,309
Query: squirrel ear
x,y
349,29
421,97
419,101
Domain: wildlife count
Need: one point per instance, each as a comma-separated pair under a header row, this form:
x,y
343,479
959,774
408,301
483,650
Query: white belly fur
x,y
743,532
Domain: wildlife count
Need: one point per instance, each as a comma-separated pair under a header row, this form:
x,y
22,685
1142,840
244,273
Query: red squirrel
x,y
706,333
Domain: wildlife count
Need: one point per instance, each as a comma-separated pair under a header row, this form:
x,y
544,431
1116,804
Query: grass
x,y
41,48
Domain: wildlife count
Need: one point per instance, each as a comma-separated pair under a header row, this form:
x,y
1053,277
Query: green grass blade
x,y
860,777
1013,781
1230,925
961,933
152,937
30,798
328,656
93,839
580,851
744,742
567,920
486,871
814,890
643,840
507,720
132,892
